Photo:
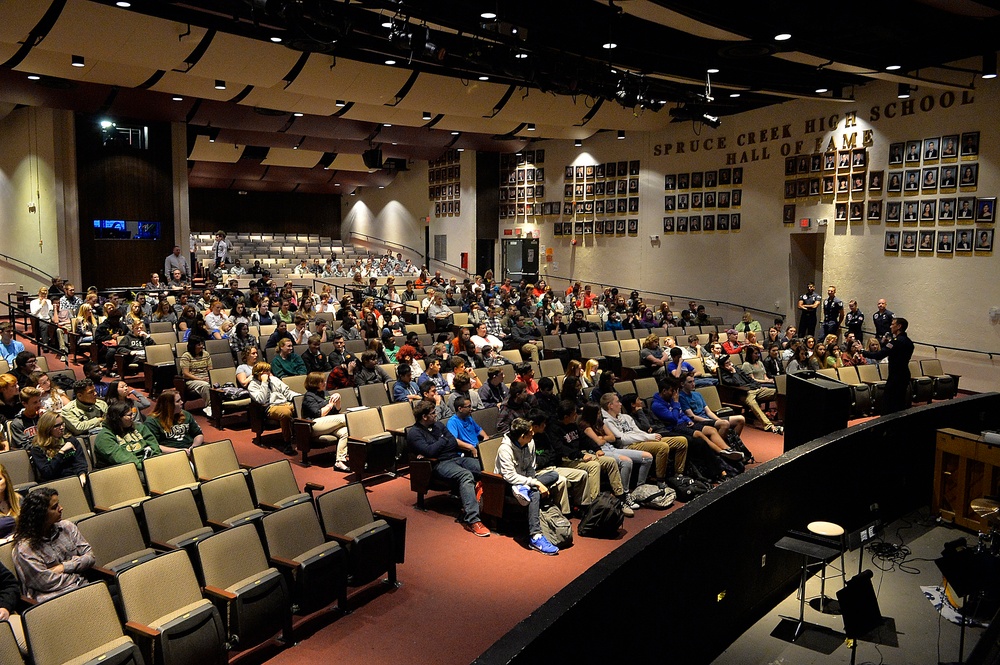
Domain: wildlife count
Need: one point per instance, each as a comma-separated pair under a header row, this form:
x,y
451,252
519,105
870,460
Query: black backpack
x,y
603,519
686,488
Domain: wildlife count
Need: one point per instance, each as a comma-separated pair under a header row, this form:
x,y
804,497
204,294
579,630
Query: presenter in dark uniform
x,y
808,304
882,319
899,350
833,313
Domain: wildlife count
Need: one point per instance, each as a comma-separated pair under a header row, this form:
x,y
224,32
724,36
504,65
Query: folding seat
x,y
922,386
10,654
861,396
72,498
18,466
116,486
227,502
715,404
215,459
624,387
646,388
375,541
370,448
551,368
173,521
373,395
868,374
631,365
168,473
165,611
945,385
315,569
116,540
607,336
395,419
275,487
251,597
56,635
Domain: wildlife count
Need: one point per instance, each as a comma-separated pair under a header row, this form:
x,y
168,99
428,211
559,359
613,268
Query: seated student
x,y
10,505
286,362
241,339
494,392
516,463
300,332
49,552
85,414
732,345
694,407
314,359
429,393
605,385
405,389
9,347
773,364
123,441
462,387
591,424
195,365
800,359
24,364
464,428
24,426
524,336
748,324
434,375
755,396
244,371
53,397
326,416
517,405
545,398
369,372
271,392
429,438
173,427
652,355
107,334
280,333
526,375
677,368
133,345
629,436
54,457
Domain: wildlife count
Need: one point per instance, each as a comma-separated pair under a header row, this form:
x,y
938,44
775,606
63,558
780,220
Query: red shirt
x,y
732,348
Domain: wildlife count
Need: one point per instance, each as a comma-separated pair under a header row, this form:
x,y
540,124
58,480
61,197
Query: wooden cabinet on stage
x,y
965,469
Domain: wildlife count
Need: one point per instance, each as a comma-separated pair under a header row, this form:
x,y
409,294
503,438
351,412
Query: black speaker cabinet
x,y
815,406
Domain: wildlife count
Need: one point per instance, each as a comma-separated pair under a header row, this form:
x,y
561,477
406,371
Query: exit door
x,y
520,259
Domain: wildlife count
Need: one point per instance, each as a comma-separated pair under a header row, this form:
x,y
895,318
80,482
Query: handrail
x,y
28,266
658,294
427,260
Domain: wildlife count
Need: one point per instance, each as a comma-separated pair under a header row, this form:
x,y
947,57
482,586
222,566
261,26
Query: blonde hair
x,y
13,498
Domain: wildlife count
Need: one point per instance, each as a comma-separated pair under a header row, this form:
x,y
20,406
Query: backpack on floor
x,y
686,488
604,518
555,527
651,496
736,443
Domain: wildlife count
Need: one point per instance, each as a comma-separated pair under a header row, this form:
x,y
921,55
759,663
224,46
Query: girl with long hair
x,y
54,456
173,427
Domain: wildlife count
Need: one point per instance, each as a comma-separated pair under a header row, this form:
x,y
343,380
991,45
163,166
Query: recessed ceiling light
x,y
460,149
295,147
713,70
578,143
390,61
394,143
734,95
381,186
387,124
531,126
220,84
177,98
484,78
520,56
77,61
386,24
621,134
276,40
298,115
892,68
782,36
34,77
426,115
488,15
820,91
123,4
989,76
211,140
341,103
336,184
455,133
609,45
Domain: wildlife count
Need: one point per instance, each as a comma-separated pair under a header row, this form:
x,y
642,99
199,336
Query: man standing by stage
x,y
899,350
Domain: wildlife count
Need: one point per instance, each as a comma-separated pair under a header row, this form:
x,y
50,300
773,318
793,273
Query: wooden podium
x,y
965,469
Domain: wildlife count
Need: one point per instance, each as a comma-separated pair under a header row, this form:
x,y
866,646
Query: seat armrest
x,y
270,507
217,526
166,547
142,630
338,538
103,572
388,517
220,594
313,487
284,563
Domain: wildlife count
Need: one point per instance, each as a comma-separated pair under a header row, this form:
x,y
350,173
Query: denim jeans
x,y
631,457
463,472
549,479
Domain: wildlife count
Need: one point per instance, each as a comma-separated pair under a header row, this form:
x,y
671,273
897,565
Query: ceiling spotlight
x,y
354,192
276,40
734,95
520,55
903,91
341,103
387,24
336,184
782,36
488,15
892,68
34,77
460,149
211,140
711,120
713,70
427,115
455,133
621,134
77,61
990,65
220,84
381,186
484,78
531,126
820,91
390,62
295,147
177,98
578,143
123,4
609,45
298,115
387,124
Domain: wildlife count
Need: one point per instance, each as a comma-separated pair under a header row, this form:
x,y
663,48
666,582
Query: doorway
x,y
520,259
805,264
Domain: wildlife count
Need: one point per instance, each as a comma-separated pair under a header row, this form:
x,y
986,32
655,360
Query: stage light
x,y
341,103
276,40
34,77
609,45
892,68
390,62
903,91
782,36
427,115
990,65
531,126
298,115
734,95
177,98
220,84
488,15
713,70
820,91
77,61
621,134
578,143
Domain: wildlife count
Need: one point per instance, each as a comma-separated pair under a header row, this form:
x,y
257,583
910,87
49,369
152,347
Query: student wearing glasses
x,y
54,456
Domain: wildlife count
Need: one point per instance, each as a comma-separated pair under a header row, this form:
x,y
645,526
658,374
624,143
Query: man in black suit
x,y
899,350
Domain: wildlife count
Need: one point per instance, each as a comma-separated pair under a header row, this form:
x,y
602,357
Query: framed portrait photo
x,y
694,223
843,159
963,243
875,180
926,241
892,212
599,171
598,227
790,166
711,178
911,182
840,212
736,200
557,229
683,201
910,211
722,222
709,199
633,167
633,227
633,204
970,144
858,182
829,161
896,153
946,210
932,148
986,210
737,175
669,203
929,179
580,170
984,240
908,242
945,242
843,183
723,199
891,242
968,176
588,228
623,169
588,171
697,179
620,227
816,163
859,158
895,183
622,187
802,164
697,199
668,224
683,180
598,207
735,221
789,189
949,177
788,214
912,152
621,206
682,224
708,222
670,182
966,208
611,169
928,210
874,213
725,177
857,211
813,186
